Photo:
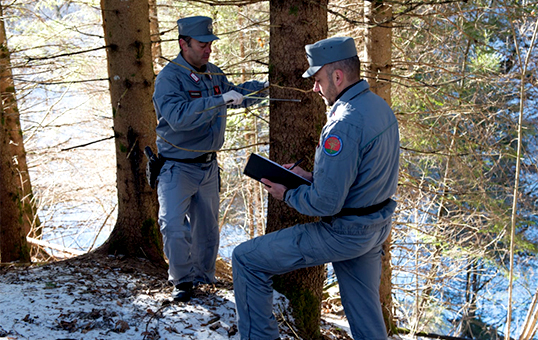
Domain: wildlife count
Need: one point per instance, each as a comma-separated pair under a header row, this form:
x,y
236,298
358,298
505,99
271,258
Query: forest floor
x,y
90,297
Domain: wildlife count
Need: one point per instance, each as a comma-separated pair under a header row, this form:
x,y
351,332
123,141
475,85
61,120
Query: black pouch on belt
x,y
153,167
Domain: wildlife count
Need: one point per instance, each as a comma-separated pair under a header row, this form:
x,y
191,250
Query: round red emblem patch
x,y
332,145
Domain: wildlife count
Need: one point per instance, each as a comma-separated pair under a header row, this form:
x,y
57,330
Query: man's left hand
x,y
275,189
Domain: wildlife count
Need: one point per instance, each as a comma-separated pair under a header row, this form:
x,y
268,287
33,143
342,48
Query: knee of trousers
x,y
175,233
236,255
239,257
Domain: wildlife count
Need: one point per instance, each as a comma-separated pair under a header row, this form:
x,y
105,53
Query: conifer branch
x,y
30,59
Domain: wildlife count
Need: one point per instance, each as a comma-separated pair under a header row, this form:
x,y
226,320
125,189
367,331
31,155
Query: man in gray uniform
x,y
190,101
355,175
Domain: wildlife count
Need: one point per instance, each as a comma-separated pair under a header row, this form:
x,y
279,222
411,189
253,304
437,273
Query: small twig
x,y
153,315
59,82
86,144
289,325
132,148
53,246
24,264
143,252
102,226
68,54
226,211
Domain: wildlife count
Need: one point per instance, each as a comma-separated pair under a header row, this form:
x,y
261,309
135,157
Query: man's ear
x,y
182,44
338,77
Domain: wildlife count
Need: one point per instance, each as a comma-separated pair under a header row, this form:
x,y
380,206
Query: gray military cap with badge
x,y
198,27
328,51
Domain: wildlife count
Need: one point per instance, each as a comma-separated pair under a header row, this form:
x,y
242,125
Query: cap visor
x,y
205,38
311,71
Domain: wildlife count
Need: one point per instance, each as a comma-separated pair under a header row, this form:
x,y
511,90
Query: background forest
x,y
462,85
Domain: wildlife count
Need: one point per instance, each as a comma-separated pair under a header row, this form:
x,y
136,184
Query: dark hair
x,y
186,38
350,66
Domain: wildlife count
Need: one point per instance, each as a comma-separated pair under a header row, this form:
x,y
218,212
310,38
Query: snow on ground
x,y
94,300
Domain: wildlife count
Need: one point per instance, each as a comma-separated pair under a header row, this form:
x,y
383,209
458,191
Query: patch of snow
x,y
95,301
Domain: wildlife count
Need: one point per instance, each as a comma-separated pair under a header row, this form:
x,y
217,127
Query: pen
x,y
296,163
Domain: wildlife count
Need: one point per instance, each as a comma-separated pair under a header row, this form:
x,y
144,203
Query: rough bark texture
x,y
378,48
294,134
17,211
156,50
127,35
378,52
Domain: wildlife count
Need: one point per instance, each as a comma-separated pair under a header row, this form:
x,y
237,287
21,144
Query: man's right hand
x,y
233,97
299,171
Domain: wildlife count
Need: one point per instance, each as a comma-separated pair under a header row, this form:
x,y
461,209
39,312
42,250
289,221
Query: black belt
x,y
357,211
205,158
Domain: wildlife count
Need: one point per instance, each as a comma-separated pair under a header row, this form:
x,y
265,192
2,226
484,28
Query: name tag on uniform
x,y
194,77
217,89
195,94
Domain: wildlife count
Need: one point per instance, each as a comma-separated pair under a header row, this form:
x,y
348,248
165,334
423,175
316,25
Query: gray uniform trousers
x,y
188,196
355,252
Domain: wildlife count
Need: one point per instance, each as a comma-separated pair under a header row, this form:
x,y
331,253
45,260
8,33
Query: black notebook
x,y
259,167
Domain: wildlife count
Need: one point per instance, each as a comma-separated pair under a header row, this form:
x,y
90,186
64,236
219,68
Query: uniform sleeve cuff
x,y
284,196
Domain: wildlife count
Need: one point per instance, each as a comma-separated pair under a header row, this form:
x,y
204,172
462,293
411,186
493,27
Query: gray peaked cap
x,y
199,28
328,51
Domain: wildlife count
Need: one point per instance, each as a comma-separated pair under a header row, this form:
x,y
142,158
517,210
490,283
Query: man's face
x,y
196,52
324,85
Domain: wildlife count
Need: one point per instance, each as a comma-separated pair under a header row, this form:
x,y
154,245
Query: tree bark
x,y
378,52
17,209
294,133
127,35
378,48
156,50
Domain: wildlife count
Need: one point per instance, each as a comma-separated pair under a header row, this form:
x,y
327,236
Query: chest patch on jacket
x,y
194,77
332,145
195,94
217,90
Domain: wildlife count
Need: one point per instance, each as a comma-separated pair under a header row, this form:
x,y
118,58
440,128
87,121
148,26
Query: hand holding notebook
x,y
259,167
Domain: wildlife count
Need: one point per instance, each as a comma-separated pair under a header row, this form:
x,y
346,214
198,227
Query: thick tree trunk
x,y
127,35
17,209
294,134
378,43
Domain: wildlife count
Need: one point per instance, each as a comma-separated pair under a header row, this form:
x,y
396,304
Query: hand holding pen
x,y
299,171
296,163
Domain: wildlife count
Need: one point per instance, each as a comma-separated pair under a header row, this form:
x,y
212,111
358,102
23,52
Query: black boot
x,y
182,292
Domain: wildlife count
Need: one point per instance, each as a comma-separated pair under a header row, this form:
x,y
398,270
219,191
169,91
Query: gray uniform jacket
x,y
356,161
180,95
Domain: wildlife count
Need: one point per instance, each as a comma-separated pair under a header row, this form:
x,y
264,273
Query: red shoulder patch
x,y
332,145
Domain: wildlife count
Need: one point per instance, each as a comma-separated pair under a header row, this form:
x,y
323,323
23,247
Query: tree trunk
x,y
17,209
156,50
294,133
378,52
127,35
378,45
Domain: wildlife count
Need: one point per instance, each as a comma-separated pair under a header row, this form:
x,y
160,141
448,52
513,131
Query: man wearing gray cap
x,y
355,175
190,100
